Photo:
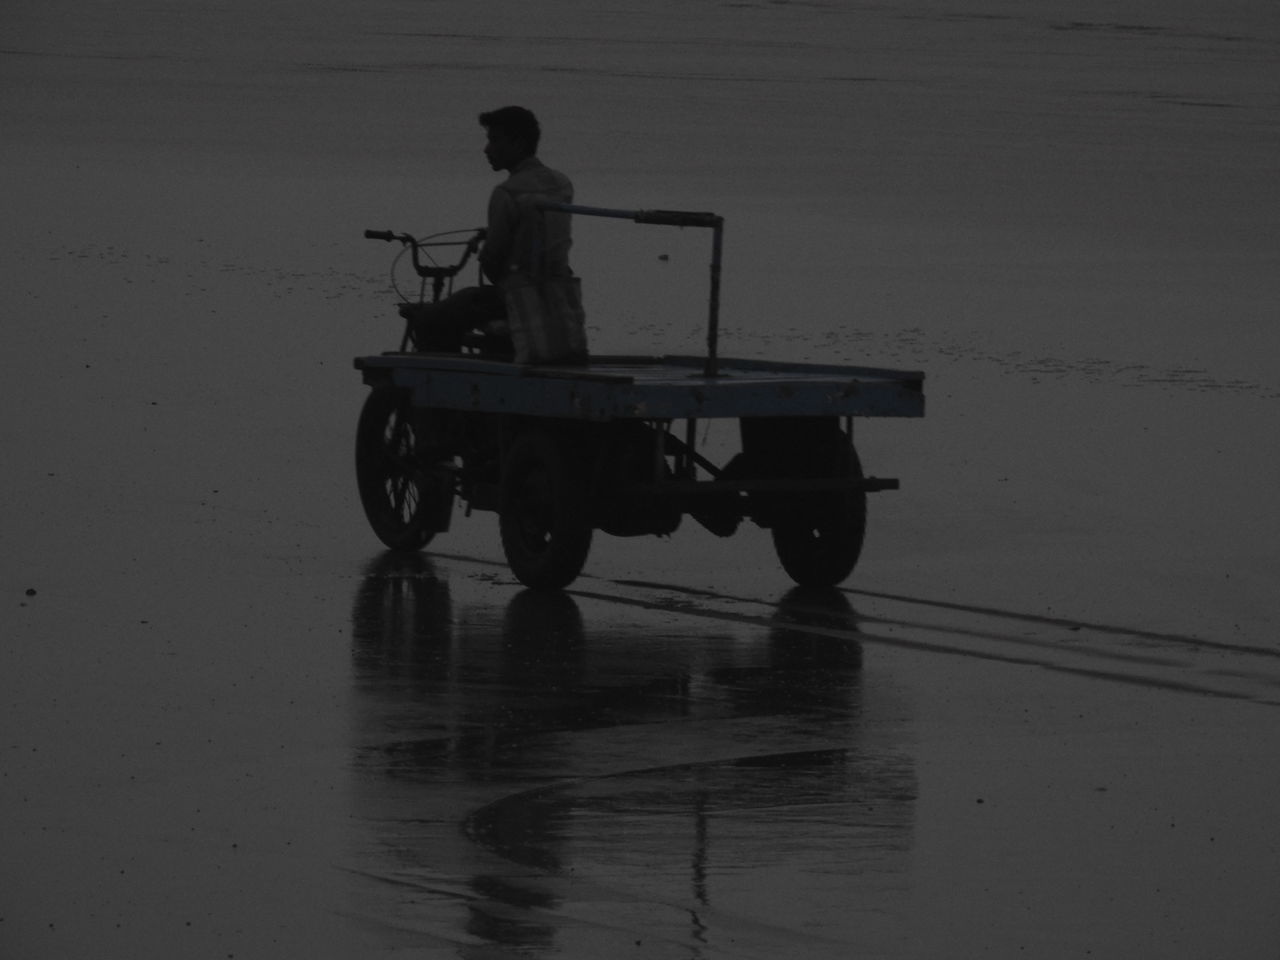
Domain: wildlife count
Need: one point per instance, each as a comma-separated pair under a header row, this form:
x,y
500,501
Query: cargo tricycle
x,y
609,445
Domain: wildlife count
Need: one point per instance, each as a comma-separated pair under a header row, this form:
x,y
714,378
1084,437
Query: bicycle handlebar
x,y
435,272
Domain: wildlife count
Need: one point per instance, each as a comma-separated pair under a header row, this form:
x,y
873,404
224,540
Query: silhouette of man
x,y
518,239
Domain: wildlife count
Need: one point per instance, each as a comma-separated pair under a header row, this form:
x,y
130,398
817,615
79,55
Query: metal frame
x,y
673,218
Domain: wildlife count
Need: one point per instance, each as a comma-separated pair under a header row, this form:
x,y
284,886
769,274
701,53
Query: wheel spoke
x,y
401,504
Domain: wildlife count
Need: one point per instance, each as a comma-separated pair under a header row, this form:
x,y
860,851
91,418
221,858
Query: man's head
x,y
513,135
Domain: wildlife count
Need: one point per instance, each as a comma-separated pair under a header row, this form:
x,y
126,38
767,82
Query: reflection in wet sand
x,y
532,775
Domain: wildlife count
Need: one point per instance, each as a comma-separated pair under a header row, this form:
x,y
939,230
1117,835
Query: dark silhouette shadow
x,y
512,710
813,658
401,618
542,637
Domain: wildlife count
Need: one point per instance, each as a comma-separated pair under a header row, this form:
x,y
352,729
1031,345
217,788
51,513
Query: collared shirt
x,y
520,238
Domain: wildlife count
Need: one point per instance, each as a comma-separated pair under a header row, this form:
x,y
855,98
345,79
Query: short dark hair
x,y
514,122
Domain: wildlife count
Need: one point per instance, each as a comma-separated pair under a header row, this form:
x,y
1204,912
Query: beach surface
x,y
1040,719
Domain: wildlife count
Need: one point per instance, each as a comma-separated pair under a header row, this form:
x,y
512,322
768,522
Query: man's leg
x,y
442,325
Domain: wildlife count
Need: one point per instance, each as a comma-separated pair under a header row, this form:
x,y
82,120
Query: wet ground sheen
x,y
1039,720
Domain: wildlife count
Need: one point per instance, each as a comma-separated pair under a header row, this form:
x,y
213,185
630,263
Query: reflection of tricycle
x,y
560,452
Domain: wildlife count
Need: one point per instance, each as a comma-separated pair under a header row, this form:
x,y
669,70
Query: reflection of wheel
x,y
402,621
406,501
543,515
818,537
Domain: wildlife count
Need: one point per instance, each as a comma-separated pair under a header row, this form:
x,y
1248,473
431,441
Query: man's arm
x,y
500,235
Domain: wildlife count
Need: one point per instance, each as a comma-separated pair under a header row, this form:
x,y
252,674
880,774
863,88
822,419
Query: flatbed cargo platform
x,y
647,388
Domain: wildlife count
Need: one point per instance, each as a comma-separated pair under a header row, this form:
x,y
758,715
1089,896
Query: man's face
x,y
502,150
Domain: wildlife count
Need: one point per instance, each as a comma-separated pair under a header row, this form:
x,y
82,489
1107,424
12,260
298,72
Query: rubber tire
x,y
543,515
399,496
818,538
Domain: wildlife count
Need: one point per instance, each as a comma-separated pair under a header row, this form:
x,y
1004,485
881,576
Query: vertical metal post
x,y
712,367
689,471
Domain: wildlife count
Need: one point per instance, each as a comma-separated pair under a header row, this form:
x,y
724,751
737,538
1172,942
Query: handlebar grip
x,y
379,235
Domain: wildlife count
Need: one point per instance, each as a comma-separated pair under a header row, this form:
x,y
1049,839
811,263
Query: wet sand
x,y
1039,720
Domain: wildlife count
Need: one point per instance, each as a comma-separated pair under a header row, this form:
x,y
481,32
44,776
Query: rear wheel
x,y
543,516
818,538
406,493
817,534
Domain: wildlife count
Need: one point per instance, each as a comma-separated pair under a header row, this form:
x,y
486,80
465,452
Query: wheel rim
x,y
398,494
402,481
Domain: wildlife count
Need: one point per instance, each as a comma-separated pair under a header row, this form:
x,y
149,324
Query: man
x,y
518,239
